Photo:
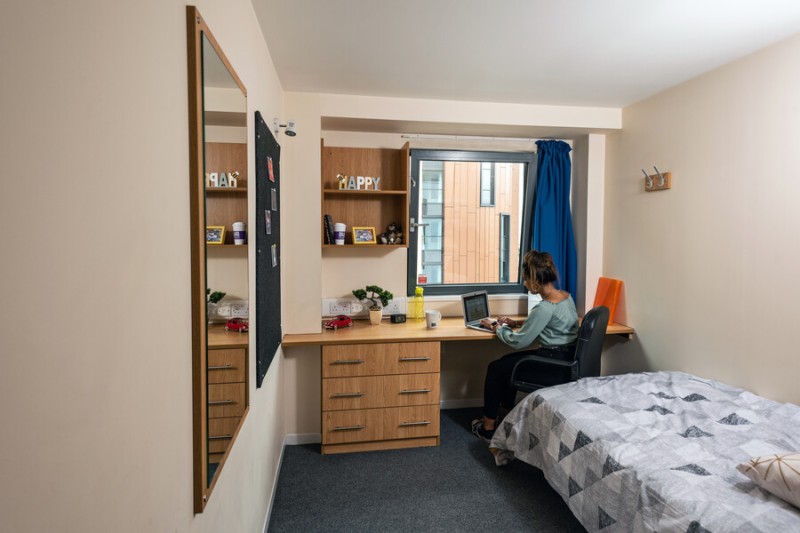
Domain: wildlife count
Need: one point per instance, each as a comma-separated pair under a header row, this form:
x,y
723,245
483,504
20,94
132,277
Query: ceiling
x,y
608,53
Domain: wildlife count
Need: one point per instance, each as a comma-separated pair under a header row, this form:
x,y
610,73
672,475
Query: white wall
x,y
342,269
588,190
334,273
711,265
96,385
96,380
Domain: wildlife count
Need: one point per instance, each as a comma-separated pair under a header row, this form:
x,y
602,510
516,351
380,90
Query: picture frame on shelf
x,y
215,234
364,235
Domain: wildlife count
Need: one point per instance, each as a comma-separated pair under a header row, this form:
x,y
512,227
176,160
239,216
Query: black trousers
x,y
497,390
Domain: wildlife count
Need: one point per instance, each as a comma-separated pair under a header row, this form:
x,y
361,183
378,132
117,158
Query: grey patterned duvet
x,y
654,452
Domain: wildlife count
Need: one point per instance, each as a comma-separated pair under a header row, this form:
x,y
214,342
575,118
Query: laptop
x,y
476,308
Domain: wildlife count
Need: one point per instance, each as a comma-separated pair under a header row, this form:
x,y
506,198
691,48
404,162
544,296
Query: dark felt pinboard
x,y
268,276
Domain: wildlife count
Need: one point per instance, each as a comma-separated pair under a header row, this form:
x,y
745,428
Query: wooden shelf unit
x,y
224,206
212,191
366,245
242,247
368,208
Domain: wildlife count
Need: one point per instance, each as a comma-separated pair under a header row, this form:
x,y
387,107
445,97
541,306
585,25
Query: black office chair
x,y
535,372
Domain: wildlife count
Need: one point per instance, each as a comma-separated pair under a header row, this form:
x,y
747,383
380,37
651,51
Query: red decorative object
x,y
237,324
341,321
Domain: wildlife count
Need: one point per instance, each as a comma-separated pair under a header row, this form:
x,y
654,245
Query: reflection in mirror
x,y
220,266
225,133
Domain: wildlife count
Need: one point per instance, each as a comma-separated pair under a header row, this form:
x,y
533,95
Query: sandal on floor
x,y
484,434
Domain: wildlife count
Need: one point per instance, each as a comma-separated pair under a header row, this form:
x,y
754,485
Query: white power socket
x,y
334,307
396,306
340,306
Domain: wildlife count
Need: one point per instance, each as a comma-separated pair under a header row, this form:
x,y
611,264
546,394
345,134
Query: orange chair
x,y
607,295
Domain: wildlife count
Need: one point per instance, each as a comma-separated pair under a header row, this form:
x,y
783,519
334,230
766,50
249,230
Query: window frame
x,y
471,156
491,178
505,245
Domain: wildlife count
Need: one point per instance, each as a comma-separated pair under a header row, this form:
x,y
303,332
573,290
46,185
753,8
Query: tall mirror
x,y
220,308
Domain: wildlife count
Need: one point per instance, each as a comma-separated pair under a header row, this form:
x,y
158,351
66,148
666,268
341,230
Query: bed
x,y
654,451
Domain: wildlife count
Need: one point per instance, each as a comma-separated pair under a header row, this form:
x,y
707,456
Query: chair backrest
x,y
590,342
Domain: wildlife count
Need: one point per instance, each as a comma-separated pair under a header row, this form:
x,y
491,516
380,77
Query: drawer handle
x,y
222,402
349,428
222,367
415,391
348,362
422,423
348,395
406,359
219,437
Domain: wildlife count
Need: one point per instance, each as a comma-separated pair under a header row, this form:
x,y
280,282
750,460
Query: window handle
x,y
413,225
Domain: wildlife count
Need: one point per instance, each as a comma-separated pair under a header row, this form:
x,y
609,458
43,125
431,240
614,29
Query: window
x,y
473,211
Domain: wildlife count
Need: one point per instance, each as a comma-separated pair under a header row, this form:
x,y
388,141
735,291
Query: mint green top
x,y
551,324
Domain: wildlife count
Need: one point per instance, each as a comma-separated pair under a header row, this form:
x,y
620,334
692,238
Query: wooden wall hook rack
x,y
660,181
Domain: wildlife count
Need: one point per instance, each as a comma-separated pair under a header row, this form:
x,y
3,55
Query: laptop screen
x,y
476,306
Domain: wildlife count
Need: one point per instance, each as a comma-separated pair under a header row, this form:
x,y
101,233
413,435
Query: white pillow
x,y
777,474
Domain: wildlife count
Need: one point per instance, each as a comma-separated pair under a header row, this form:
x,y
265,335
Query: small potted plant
x,y
377,297
212,299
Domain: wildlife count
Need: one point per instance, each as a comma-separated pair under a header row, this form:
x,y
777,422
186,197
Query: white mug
x,y
338,233
432,319
239,233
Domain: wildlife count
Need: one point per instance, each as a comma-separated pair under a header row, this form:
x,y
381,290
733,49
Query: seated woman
x,y
553,324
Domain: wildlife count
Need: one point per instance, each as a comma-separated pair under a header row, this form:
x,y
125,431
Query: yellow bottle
x,y
418,305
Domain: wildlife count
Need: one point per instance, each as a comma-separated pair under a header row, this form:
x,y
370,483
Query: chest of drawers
x,y
227,398
380,396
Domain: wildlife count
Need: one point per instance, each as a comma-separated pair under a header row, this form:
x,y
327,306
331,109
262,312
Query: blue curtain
x,y
552,220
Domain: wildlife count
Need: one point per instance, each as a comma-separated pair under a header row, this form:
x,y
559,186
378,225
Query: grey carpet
x,y
453,487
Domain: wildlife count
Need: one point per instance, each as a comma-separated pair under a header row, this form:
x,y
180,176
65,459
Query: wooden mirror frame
x,y
196,29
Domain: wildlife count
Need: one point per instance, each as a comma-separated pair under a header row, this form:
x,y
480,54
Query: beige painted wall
x,y
588,190
341,269
96,378
711,266
96,385
334,273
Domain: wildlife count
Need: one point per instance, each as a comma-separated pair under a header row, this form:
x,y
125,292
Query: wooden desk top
x,y
450,329
219,338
